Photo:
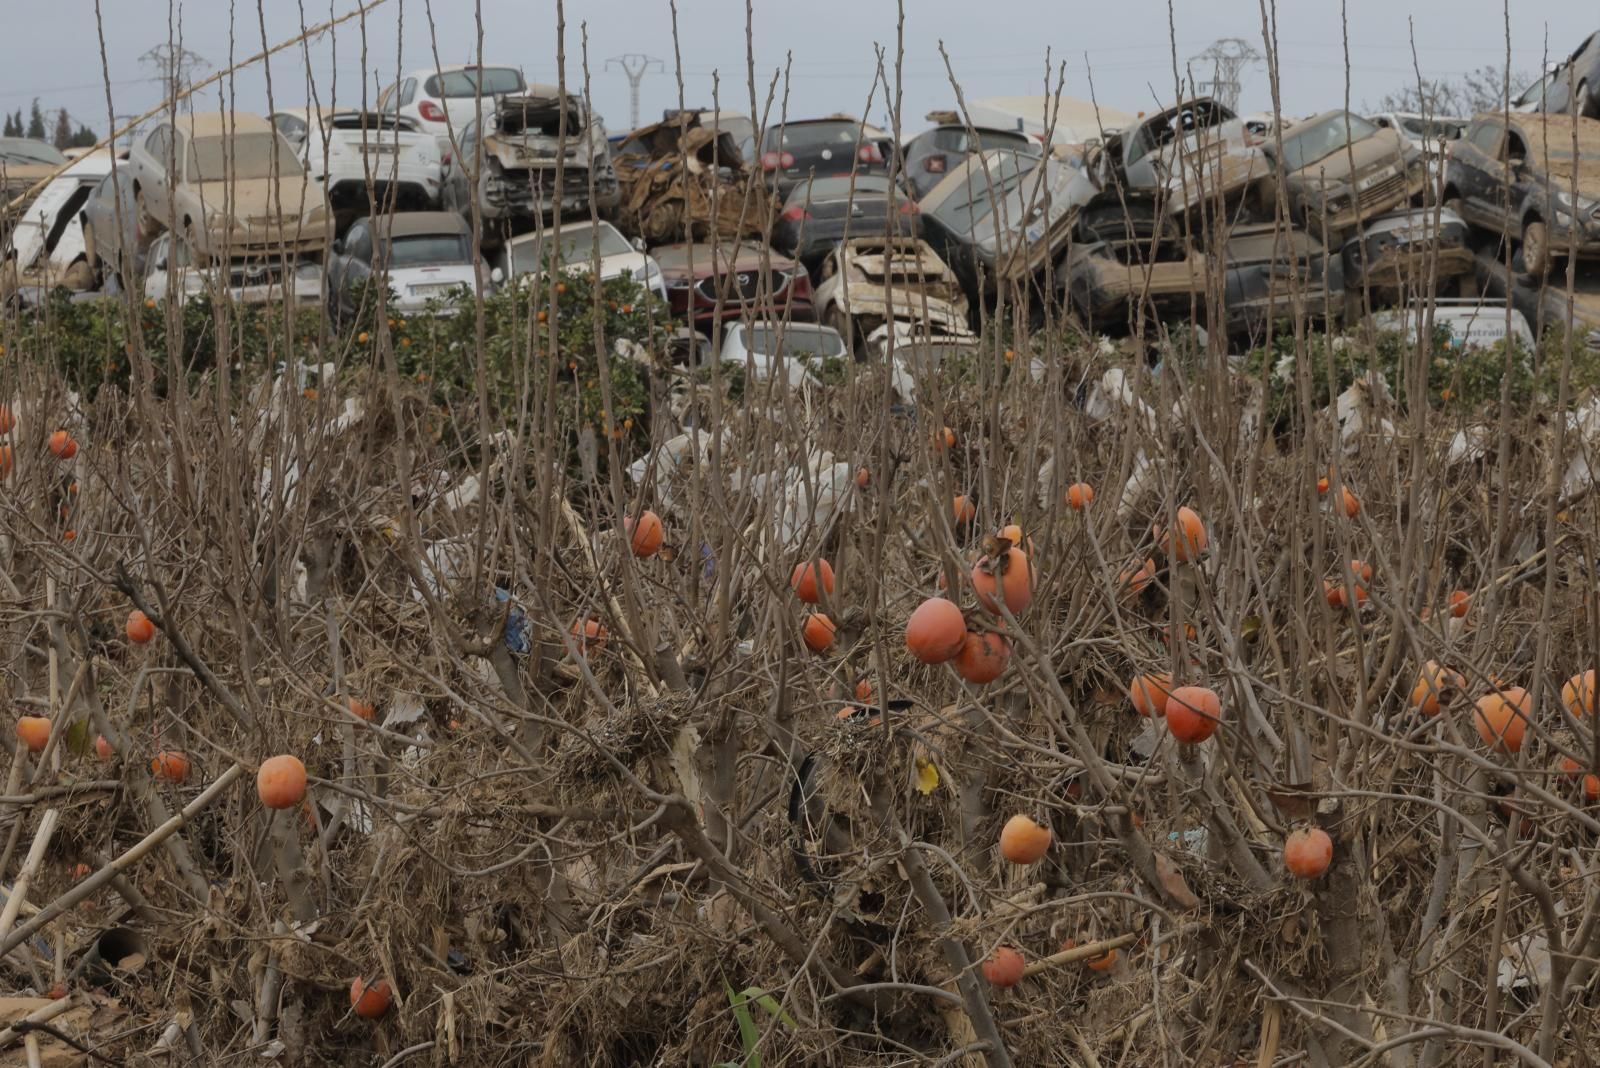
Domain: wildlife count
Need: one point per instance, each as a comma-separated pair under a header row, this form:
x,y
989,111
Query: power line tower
x,y
1226,59
635,65
174,66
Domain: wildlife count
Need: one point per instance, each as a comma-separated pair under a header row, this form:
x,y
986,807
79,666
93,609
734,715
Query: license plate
x,y
1373,179
379,150
429,290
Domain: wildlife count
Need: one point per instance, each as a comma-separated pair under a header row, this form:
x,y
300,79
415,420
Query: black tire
x,y
1536,249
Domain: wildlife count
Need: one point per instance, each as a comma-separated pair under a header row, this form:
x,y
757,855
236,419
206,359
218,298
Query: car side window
x,y
408,91
1486,136
292,127
388,98
1516,147
156,144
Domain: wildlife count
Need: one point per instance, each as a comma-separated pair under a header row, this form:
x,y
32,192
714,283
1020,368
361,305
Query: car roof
x,y
676,256
408,223
567,227
453,68
211,124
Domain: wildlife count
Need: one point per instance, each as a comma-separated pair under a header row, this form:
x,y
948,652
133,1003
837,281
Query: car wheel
x,y
1536,249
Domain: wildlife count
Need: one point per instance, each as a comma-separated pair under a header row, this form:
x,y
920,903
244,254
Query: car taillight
x,y
933,164
430,111
909,207
869,153
769,161
794,213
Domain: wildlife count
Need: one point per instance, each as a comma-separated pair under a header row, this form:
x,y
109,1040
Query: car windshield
x,y
21,152
424,250
813,136
971,202
242,157
372,120
464,83
1432,129
839,188
1046,185
795,341
577,247
1304,145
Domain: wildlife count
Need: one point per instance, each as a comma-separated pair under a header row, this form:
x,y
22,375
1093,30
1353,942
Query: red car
x,y
749,280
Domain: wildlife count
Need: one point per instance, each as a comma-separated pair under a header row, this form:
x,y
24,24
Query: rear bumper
x,y
405,192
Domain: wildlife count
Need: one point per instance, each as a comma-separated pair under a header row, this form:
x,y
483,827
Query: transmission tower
x,y
635,65
1226,59
175,67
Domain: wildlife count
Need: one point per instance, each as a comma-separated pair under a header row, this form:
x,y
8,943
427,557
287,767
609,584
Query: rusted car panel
x,y
1338,169
518,152
868,281
682,177
1400,250
1114,282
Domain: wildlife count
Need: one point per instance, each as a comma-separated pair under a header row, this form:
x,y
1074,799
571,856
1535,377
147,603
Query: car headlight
x,y
1416,170
1334,205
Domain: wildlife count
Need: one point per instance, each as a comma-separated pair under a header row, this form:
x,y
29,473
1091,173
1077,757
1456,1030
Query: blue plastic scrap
x,y
518,637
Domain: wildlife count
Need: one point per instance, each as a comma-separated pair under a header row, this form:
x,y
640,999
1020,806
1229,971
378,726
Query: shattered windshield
x,y
795,341
241,158
1305,145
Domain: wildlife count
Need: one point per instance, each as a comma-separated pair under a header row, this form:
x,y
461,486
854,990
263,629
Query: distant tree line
x,y
1476,91
62,134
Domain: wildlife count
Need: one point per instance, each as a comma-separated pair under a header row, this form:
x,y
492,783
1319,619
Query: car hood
x,y
675,259
259,200
1380,150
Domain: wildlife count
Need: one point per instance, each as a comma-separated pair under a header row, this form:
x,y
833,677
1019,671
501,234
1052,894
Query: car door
x,y
150,162
1481,176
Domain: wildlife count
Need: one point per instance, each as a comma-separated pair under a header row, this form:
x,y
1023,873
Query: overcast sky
x,y
996,48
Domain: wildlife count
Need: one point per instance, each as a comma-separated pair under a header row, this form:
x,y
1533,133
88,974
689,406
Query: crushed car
x,y
174,272
48,236
1337,170
687,178
113,243
230,185
1274,274
796,150
930,155
1118,283
525,142
870,281
365,160
820,213
24,163
1402,250
1515,177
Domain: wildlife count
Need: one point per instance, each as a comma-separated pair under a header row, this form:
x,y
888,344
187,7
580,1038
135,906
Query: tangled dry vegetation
x,y
681,836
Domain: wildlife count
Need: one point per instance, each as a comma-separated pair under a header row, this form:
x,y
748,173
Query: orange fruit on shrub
x,y
1578,693
360,709
1459,601
863,690
1502,718
370,1002
169,765
139,628
803,580
936,631
7,420
1434,683
818,632
1352,504
62,447
1307,852
863,478
1591,783
1148,693
944,438
589,635
102,748
1079,496
1193,713
1014,582
1023,841
644,534
33,732
281,781
964,510
5,461
1187,540
1133,580
1012,533
983,658
1003,968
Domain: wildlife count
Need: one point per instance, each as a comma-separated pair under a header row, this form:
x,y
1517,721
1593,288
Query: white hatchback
x,y
443,102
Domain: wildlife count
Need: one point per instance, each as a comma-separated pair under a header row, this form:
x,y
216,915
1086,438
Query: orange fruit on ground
x,y
139,628
1079,496
818,632
281,781
7,420
963,509
1014,582
102,748
33,732
1104,962
644,534
1434,684
803,580
589,635
1193,713
1133,580
1577,693
1459,601
370,1002
170,765
1187,540
1003,968
983,658
936,631
62,447
1023,841
1502,718
1307,852
1148,693
360,709
863,690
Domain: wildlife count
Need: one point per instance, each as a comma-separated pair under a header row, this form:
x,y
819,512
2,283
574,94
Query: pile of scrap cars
x,y
1236,223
